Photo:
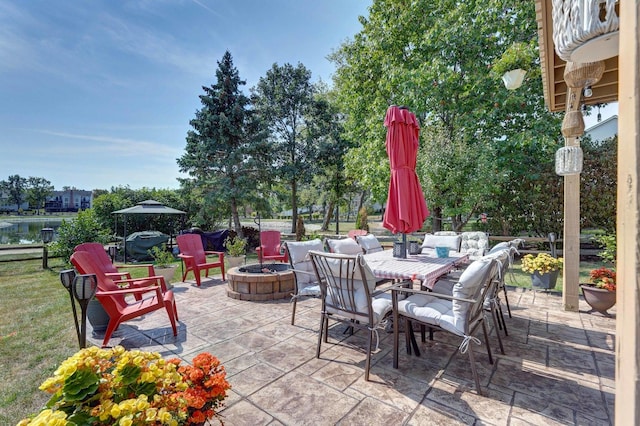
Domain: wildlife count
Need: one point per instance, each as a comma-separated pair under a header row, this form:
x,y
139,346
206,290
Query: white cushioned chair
x,y
460,313
347,284
369,243
452,242
306,282
475,244
343,246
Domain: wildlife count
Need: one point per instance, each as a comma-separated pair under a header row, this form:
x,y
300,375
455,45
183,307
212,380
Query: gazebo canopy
x,y
144,207
149,207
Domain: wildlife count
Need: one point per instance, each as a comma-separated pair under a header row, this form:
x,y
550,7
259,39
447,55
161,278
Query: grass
x,y
37,332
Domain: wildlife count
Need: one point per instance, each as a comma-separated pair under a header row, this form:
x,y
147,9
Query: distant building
x,y
603,130
71,200
6,206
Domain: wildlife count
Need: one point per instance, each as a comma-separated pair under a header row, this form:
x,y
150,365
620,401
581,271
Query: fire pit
x,y
261,282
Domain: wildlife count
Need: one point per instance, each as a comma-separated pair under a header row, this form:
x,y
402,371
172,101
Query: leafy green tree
x,y
413,54
598,184
284,98
15,186
227,155
84,228
38,189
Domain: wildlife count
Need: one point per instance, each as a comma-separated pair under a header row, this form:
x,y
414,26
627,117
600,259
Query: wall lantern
x,y
513,79
585,30
569,160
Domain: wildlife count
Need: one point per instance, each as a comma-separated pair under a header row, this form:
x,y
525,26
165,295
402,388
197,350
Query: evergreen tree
x,y
226,153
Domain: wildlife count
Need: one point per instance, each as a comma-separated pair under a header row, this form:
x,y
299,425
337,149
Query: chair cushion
x,y
475,244
430,310
344,246
300,260
500,246
469,286
433,241
369,243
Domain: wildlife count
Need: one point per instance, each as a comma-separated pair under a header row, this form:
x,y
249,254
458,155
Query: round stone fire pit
x,y
258,283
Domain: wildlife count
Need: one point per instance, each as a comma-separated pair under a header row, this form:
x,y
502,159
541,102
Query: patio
x,y
558,368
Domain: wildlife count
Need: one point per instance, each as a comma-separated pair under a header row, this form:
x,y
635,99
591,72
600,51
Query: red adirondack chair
x,y
104,261
354,232
194,257
113,298
271,247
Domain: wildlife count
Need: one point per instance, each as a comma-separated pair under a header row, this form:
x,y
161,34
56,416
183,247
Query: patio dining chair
x,y
460,313
347,285
343,246
305,278
369,243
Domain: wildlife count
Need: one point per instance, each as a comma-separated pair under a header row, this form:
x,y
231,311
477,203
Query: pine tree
x,y
226,152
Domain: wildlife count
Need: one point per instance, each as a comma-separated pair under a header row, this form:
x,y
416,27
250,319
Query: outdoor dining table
x,y
426,267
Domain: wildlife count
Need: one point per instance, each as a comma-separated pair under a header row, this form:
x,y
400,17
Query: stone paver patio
x,y
558,367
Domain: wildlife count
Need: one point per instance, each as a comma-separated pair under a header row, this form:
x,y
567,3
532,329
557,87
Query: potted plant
x,y
163,262
513,65
600,293
544,270
116,386
236,247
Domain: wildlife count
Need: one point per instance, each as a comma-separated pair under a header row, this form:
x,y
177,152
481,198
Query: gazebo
x,y
144,207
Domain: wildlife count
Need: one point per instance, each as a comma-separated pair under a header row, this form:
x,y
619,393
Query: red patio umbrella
x,y
406,208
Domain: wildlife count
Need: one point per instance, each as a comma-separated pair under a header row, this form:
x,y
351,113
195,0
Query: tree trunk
x,y
328,215
294,206
236,218
436,215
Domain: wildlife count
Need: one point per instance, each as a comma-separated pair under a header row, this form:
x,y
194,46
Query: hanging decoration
x,y
585,30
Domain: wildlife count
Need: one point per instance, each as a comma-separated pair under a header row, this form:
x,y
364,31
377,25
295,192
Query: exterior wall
x,y
604,130
71,200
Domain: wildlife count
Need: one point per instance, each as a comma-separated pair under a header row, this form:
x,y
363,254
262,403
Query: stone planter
x,y
97,317
167,272
544,281
599,299
235,261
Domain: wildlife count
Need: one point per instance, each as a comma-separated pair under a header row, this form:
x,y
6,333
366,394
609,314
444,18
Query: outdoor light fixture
x,y
513,79
586,30
84,288
587,92
47,236
66,277
569,160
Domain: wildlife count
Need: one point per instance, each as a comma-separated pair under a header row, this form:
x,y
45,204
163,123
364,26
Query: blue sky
x,y
99,93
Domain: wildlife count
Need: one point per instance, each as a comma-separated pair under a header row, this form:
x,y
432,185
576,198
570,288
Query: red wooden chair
x,y
104,261
113,296
194,257
271,247
354,232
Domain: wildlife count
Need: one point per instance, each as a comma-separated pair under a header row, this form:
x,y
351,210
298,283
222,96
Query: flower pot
x,y
544,281
97,317
599,299
167,272
235,261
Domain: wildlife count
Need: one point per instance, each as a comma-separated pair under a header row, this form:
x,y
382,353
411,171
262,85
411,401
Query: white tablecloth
x,y
426,267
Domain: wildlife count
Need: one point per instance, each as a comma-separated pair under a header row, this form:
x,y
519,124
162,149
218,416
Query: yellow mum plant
x,y
115,386
542,263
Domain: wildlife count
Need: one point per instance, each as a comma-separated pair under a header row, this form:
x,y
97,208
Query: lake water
x,y
25,230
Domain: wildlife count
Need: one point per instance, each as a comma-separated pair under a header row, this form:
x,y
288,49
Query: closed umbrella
x,y
406,208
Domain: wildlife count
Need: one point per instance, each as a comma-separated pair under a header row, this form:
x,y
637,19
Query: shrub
x,y
85,228
362,221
